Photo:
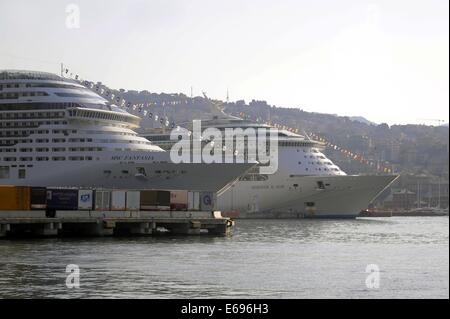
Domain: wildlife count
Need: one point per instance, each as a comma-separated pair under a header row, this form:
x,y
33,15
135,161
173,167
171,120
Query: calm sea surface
x,y
263,259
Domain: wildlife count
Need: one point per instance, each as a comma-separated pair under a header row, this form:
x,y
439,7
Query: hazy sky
x,y
385,60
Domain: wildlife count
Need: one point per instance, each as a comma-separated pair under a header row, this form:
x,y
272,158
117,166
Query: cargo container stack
x,y
14,198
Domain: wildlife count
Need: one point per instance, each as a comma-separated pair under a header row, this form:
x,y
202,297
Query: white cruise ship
x,y
306,184
56,132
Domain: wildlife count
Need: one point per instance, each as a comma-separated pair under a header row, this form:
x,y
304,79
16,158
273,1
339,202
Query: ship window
x,y
4,172
21,173
247,177
261,177
320,185
141,170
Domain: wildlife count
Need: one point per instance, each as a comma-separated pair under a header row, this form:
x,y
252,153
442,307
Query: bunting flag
x,y
382,167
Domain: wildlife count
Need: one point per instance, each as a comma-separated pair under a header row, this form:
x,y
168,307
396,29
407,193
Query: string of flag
x,y
139,109
383,166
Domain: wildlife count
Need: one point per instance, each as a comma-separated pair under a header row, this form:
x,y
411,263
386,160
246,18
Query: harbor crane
x,y
218,105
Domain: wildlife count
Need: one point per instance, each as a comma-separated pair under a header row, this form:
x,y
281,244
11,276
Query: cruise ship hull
x,y
132,175
341,196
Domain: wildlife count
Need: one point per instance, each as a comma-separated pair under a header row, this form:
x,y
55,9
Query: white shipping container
x,y
207,201
133,200
102,200
193,201
118,200
85,198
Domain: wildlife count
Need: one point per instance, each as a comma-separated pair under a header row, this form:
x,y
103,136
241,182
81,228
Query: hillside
x,y
407,149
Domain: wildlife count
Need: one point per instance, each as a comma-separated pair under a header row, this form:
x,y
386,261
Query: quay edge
x,y
142,223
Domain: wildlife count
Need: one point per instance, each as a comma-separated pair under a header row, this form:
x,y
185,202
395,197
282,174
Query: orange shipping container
x,y
14,198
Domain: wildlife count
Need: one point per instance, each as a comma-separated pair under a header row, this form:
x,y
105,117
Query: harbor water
x,y
263,259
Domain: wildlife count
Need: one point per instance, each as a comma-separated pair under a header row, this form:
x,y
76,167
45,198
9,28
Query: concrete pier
x,y
403,214
48,229
114,223
4,228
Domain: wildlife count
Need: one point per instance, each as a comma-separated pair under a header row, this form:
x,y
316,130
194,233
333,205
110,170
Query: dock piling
x,y
83,223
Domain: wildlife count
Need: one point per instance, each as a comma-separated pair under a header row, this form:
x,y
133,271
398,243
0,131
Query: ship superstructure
x,y
56,132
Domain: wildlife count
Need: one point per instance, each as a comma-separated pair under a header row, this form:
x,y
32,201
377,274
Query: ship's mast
x,y
430,192
439,193
418,194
